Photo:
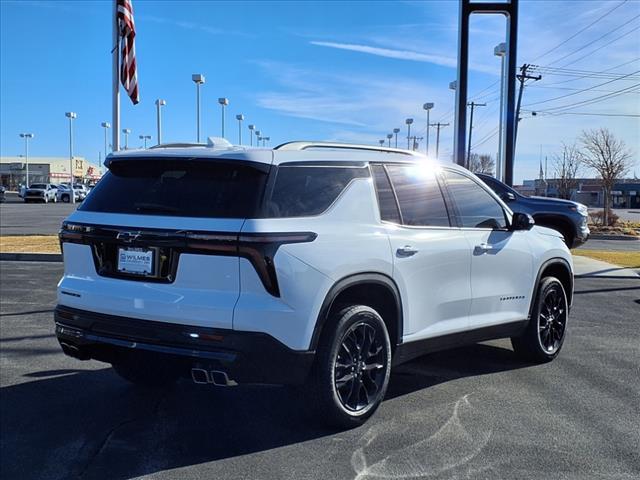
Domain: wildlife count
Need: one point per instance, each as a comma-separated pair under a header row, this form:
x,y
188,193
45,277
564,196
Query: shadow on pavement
x,y
91,424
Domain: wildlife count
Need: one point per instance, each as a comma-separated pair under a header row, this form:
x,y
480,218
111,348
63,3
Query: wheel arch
x,y
555,267
557,222
373,289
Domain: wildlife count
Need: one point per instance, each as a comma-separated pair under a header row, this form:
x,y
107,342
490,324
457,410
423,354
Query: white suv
x,y
310,263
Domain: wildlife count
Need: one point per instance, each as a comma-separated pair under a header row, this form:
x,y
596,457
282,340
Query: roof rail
x,y
177,145
346,146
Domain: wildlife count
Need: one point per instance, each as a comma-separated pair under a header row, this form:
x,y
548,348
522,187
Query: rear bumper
x,y
246,357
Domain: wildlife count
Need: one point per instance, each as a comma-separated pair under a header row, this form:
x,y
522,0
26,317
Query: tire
x,y
65,198
349,384
146,373
46,199
544,336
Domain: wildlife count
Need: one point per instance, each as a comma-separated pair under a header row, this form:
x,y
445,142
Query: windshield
x,y
183,187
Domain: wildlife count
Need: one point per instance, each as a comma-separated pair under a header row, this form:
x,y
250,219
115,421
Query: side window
x,y
419,195
386,199
476,208
493,185
301,191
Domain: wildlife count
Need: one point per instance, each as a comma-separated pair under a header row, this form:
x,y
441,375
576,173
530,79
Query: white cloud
x,y
451,62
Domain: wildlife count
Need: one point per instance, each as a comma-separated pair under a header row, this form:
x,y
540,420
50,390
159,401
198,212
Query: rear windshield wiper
x,y
155,207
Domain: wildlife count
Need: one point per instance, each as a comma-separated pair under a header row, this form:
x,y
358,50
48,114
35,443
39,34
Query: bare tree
x,y
609,157
481,163
566,166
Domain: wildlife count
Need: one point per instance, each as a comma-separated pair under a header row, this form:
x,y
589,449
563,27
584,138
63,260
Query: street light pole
x,y
223,103
438,127
389,137
71,116
428,107
265,140
144,138
159,103
106,126
258,138
199,80
251,129
408,121
396,131
473,105
126,132
381,142
240,118
500,51
26,137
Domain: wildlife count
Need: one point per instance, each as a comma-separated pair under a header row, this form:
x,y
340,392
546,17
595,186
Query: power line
x,y
568,88
601,71
555,114
596,99
601,47
486,138
581,30
582,47
581,91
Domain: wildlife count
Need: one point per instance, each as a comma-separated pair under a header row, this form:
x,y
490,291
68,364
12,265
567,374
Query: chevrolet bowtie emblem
x,y
128,237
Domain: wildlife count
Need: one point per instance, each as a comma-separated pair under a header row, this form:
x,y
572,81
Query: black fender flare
x,y
543,267
350,281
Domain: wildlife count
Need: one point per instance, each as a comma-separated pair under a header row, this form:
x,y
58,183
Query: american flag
x,y
128,68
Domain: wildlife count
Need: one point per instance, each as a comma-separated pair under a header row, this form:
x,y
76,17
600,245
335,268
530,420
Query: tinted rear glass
x,y
302,191
183,188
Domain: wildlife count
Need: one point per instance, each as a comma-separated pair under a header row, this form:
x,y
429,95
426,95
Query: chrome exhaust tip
x,y
200,376
221,379
217,377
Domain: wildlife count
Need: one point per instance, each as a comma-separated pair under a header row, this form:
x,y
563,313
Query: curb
x,y
624,238
31,257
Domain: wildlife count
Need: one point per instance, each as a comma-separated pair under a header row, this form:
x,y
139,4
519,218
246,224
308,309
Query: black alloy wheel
x,y
352,366
360,367
544,335
552,319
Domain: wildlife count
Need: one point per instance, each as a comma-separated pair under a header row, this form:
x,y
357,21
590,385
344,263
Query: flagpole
x,y
115,108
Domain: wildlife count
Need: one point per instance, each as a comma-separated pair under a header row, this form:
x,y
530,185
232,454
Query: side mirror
x,y
522,221
508,197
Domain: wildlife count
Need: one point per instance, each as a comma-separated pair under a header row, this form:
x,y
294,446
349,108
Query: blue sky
x,y
348,71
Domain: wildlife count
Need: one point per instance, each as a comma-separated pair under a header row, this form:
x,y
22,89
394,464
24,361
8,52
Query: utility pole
x,y
416,142
522,78
438,127
473,105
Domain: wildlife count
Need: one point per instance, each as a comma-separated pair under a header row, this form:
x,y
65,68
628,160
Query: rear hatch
x,y
157,239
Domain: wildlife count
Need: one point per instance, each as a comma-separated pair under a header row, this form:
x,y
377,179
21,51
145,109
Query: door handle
x,y
483,248
406,251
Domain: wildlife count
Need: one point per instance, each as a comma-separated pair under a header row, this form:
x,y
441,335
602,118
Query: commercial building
x,y
589,191
13,170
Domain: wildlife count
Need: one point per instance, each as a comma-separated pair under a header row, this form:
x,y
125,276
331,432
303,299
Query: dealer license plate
x,y
138,261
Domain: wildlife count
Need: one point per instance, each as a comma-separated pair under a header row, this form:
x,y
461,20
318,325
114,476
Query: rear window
x,y
183,188
301,191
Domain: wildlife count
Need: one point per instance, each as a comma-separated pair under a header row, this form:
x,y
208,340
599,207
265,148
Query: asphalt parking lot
x,y
474,412
19,218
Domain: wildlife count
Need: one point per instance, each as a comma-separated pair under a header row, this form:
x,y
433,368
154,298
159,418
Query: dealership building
x,y
13,170
625,193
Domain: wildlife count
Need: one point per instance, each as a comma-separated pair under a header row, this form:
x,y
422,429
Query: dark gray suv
x,y
565,216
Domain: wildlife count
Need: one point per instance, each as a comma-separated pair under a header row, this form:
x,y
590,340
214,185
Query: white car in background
x,y
40,192
63,194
